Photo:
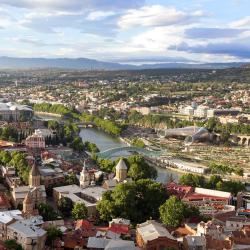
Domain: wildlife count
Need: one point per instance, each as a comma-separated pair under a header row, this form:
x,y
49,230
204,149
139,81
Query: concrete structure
x,y
28,234
37,191
152,235
15,112
192,167
121,171
35,141
89,196
84,177
194,242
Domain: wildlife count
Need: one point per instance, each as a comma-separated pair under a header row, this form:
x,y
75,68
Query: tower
x,y
84,177
34,176
121,171
28,204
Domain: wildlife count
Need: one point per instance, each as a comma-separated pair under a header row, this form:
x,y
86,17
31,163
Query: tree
x,y
77,144
71,179
12,245
172,212
65,206
52,234
192,180
140,164
79,211
137,201
47,212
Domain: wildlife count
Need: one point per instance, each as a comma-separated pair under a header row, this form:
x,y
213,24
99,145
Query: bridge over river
x,y
149,153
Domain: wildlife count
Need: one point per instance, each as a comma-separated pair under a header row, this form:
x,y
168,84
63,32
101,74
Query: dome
x,y
121,165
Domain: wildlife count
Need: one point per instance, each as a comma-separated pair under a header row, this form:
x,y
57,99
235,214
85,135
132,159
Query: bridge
x,y
109,152
85,124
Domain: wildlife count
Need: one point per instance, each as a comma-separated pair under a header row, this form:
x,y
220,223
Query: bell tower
x,y
84,177
121,171
34,176
28,204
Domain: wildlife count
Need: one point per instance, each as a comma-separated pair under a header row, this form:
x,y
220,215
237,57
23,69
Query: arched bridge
x,y
109,152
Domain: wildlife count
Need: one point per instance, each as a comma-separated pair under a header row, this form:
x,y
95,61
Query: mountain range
x,y
91,64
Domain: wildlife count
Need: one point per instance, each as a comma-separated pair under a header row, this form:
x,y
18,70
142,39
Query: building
x,y
194,242
85,179
51,176
15,112
152,235
192,167
35,141
27,232
89,196
120,176
121,171
4,202
35,188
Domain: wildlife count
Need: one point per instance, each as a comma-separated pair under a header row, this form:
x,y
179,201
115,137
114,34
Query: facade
x,y
15,112
37,191
89,196
85,178
121,171
28,234
194,242
152,235
35,141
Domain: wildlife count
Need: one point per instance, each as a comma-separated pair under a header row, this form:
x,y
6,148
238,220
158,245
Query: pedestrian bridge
x,y
109,152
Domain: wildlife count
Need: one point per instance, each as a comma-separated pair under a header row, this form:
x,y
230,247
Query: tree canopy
x,y
137,201
79,211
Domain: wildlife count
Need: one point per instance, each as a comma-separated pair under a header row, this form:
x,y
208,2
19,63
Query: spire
x,y
28,199
34,170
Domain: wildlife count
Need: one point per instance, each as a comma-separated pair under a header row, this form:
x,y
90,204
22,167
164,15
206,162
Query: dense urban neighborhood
x,y
120,160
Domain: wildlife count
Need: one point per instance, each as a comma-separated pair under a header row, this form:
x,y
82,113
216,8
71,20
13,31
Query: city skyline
x,y
150,31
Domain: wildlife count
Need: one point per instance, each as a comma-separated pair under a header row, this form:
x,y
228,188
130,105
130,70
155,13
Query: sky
x,y
127,31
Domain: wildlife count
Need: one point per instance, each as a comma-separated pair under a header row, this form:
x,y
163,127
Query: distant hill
x,y
90,64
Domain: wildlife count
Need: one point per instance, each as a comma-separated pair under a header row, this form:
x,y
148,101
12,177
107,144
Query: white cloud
x,y
244,22
99,15
157,15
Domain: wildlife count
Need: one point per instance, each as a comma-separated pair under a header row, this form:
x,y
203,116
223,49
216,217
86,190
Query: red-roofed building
x,y
179,191
86,228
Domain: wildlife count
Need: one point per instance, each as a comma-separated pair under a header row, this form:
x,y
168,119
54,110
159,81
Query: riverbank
x,y
47,114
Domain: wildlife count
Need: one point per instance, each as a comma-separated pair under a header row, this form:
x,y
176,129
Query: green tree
x,y
172,212
65,206
137,201
79,211
192,180
12,245
52,234
47,212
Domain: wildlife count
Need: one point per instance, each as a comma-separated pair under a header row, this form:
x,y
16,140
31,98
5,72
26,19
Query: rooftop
x,y
151,230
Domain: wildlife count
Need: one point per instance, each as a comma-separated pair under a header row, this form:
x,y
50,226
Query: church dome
x,y
121,165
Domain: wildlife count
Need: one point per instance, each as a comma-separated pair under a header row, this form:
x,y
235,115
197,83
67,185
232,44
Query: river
x,y
105,141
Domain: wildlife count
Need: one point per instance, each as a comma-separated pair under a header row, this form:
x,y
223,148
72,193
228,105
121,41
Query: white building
x,y
89,196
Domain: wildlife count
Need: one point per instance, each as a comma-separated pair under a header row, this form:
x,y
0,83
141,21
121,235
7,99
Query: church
x,y
121,176
35,191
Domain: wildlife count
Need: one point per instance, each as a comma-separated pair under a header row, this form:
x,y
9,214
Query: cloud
x,y
210,33
157,15
73,4
244,22
99,15
239,49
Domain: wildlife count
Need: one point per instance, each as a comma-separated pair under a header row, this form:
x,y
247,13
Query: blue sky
x,y
137,31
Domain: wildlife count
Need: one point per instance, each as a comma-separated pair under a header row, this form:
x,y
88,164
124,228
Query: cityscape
x,y
124,125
